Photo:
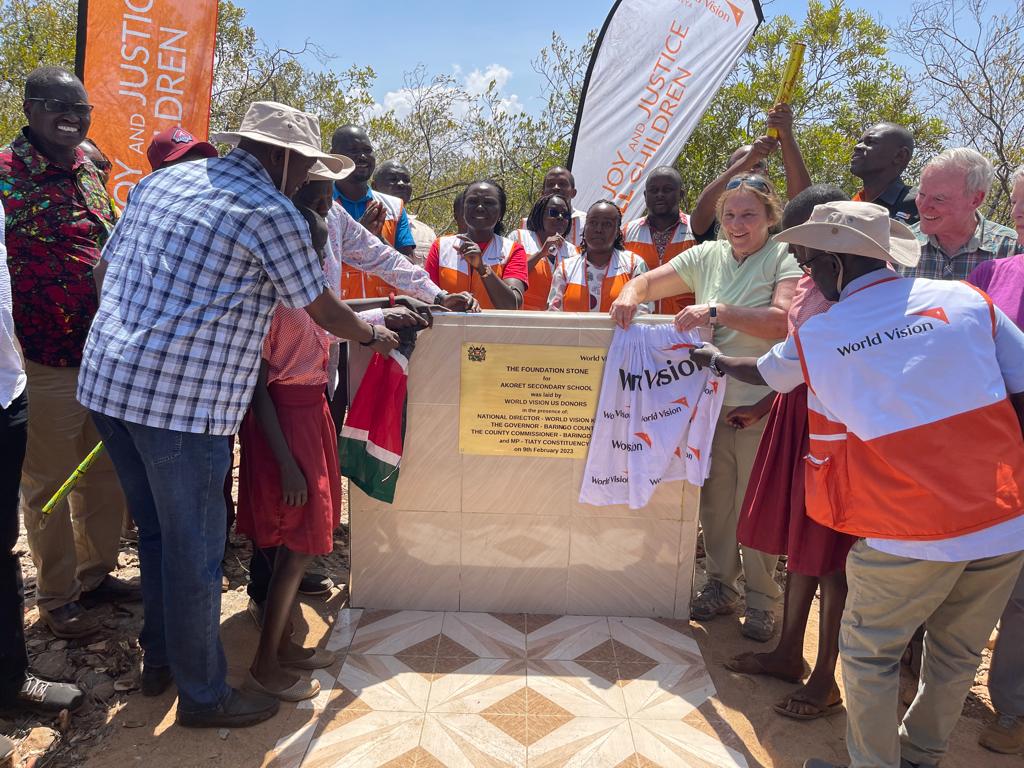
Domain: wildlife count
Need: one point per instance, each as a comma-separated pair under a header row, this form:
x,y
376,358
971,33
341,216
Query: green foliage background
x,y
453,136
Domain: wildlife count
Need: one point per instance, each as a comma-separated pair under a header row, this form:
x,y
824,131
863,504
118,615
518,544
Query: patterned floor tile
x,y
654,641
672,744
290,750
389,633
344,629
327,679
383,683
369,740
573,688
589,742
478,686
486,635
667,692
566,637
469,741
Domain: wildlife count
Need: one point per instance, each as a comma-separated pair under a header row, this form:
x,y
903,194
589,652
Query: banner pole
x,y
586,82
80,38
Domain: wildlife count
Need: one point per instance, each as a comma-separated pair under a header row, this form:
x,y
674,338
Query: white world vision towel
x,y
655,419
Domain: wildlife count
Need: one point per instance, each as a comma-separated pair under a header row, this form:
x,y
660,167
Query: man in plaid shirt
x,y
200,257
954,236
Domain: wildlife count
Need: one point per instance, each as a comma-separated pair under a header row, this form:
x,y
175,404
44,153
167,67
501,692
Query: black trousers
x,y
13,657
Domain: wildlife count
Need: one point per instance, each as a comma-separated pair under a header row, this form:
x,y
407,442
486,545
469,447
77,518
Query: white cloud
x,y
475,84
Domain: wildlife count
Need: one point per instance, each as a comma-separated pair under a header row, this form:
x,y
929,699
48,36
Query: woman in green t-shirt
x,y
744,286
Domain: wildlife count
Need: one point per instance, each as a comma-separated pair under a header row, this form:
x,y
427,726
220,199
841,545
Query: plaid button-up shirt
x,y
989,241
201,255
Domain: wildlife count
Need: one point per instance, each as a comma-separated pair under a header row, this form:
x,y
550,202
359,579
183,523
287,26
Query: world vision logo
x,y
634,447
722,13
936,313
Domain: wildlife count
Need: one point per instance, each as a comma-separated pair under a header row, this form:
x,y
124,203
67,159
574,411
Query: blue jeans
x,y
174,483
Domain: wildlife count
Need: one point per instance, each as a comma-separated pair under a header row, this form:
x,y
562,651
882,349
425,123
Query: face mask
x,y
284,173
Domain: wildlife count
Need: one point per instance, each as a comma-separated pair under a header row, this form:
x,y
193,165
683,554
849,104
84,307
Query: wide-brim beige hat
x,y
863,229
269,122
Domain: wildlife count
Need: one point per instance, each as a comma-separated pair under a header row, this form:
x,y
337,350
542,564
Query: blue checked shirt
x,y
989,241
197,262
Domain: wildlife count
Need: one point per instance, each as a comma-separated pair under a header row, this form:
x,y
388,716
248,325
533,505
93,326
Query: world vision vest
x,y
356,284
536,297
456,275
636,236
577,294
912,435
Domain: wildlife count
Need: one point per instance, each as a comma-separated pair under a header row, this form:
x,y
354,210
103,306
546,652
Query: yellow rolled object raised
x,y
72,481
789,77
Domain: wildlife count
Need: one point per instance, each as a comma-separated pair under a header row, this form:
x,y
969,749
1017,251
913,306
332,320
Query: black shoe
x,y
70,621
46,697
114,590
240,710
315,584
155,680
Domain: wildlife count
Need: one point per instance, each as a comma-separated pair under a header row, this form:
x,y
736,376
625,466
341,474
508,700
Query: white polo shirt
x,y
12,371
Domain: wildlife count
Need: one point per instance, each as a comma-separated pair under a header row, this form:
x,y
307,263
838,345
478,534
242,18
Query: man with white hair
x,y
955,237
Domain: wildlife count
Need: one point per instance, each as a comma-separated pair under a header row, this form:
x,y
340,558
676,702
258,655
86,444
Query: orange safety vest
x,y
912,435
455,275
356,284
577,293
636,237
536,298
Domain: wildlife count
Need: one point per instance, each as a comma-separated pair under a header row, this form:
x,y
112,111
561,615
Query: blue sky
x,y
490,38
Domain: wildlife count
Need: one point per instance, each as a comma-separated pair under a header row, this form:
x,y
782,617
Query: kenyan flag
x,y
374,430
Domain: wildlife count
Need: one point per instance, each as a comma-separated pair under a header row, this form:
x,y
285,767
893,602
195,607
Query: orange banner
x,y
148,66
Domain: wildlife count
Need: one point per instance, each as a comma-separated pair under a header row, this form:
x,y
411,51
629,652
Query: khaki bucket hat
x,y
863,229
269,122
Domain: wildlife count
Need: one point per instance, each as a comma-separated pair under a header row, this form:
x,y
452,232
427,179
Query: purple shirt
x,y
1003,281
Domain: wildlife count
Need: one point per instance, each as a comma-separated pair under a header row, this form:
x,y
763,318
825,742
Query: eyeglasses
x,y
63,107
806,265
752,181
558,213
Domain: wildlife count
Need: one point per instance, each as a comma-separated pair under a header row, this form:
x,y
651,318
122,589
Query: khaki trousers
x,y
732,457
889,598
78,546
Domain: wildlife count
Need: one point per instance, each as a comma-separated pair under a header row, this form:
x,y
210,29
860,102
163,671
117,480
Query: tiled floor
x,y
417,689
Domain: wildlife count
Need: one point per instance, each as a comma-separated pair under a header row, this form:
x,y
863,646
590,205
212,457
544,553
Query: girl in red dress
x,y
289,493
774,519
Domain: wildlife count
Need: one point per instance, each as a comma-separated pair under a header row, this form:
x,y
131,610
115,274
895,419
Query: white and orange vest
x,y
912,435
636,237
577,293
456,276
536,298
356,284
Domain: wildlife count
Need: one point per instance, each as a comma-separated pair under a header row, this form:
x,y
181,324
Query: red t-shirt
x,y
516,268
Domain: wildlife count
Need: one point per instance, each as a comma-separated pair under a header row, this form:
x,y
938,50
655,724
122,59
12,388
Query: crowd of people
x,y
868,340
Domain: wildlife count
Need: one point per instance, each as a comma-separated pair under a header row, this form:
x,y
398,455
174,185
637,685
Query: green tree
x,y
847,84
32,33
972,63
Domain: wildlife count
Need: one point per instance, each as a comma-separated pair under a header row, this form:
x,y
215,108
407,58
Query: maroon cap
x,y
167,146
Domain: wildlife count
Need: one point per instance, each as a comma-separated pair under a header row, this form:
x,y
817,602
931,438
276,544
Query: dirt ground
x,y
118,727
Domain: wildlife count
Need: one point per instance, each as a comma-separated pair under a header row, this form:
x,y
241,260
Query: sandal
x,y
321,659
298,691
748,664
819,712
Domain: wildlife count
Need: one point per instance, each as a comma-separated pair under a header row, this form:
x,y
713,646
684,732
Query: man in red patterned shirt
x,y
58,217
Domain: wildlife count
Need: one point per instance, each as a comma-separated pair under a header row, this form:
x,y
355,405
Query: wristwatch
x,y
713,364
373,337
441,296
713,314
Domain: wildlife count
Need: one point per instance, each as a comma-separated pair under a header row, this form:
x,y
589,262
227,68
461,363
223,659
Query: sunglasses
x,y
558,213
753,181
64,107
